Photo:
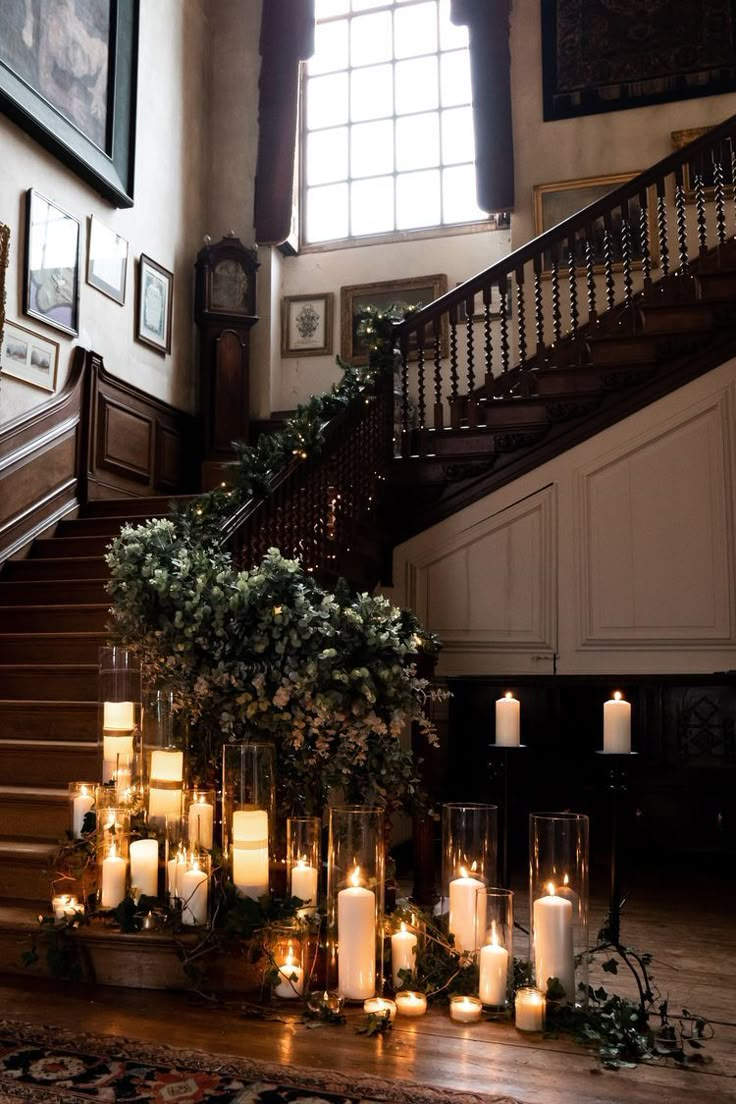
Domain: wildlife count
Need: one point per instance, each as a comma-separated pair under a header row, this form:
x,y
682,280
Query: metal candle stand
x,y
499,774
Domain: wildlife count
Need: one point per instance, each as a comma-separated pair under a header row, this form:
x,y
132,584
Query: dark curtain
x,y
287,37
490,65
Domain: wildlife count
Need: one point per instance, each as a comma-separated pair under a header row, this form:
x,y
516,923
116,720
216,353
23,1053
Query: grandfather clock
x,y
225,311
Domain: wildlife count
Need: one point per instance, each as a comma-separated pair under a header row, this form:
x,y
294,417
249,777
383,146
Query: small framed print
x,y
51,276
28,356
306,325
155,298
107,261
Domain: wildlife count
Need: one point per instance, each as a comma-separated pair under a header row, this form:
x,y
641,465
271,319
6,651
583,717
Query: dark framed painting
x,y
403,294
155,301
306,325
107,261
51,274
29,357
4,258
606,56
68,72
553,203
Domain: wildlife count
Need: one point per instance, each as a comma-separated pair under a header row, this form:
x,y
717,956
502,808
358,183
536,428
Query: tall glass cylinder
x,y
355,892
469,857
119,686
248,804
558,904
113,838
303,839
164,751
496,954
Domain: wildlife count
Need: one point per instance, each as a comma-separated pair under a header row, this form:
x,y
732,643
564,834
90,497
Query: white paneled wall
x,y
616,556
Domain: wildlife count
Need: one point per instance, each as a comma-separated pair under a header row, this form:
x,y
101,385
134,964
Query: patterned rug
x,y
48,1065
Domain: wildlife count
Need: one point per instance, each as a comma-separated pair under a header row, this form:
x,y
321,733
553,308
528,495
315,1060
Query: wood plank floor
x,y
690,929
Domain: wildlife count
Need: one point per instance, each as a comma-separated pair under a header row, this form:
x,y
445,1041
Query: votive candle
x,y
411,1004
530,1005
465,1009
379,1005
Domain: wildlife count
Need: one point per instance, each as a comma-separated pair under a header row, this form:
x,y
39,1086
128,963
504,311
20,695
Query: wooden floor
x,y
689,927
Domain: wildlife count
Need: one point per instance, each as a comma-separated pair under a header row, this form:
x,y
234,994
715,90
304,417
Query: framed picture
x,y
681,138
401,294
68,77
107,261
553,203
51,276
155,298
29,357
306,325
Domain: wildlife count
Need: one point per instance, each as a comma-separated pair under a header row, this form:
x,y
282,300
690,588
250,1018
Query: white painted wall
x,y
616,556
166,223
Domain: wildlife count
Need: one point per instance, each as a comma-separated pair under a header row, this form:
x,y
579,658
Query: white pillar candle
x,y
465,1009
81,805
465,911
175,867
553,942
304,886
291,978
617,725
166,782
356,940
114,870
193,888
376,1006
411,1004
118,715
144,866
529,1009
117,753
250,852
508,712
494,970
403,953
201,823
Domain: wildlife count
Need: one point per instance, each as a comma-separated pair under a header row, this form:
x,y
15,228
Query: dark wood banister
x,y
567,229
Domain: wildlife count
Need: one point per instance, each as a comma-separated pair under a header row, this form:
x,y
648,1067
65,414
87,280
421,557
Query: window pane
x,y
372,206
451,37
327,155
458,143
372,148
416,30
323,9
417,142
327,101
418,199
372,93
330,48
371,39
458,195
455,78
416,85
327,213
363,5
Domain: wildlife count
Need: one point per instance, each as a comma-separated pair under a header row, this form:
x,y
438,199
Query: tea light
x,y
411,1004
291,978
65,905
403,953
325,998
379,1005
465,1009
530,1007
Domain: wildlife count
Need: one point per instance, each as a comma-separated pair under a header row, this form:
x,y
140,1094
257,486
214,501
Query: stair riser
x,y
130,507
48,721
33,818
676,319
717,287
94,527
20,882
47,619
27,684
53,593
79,568
633,351
51,766
50,648
68,547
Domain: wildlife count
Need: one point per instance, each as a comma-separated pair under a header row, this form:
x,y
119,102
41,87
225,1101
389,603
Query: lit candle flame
x,y
403,926
474,867
566,880
113,852
494,935
509,695
83,791
617,695
200,799
463,872
355,876
551,888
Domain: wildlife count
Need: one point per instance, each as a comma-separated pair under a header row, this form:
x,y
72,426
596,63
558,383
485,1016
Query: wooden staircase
x,y
53,613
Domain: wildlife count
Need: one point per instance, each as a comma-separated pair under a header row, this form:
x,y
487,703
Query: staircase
x,y
53,612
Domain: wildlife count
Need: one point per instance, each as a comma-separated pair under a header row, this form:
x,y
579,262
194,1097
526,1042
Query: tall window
x,y
387,124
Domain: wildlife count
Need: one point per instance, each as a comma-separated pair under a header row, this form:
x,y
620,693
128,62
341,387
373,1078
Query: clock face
x,y
229,288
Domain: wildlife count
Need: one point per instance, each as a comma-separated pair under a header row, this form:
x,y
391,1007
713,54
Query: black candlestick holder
x,y
500,771
617,775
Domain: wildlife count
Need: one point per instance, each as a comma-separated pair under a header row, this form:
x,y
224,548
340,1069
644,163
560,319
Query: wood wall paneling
x,y
124,440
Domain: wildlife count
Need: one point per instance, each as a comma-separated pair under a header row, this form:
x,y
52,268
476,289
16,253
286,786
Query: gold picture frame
x,y
402,294
555,202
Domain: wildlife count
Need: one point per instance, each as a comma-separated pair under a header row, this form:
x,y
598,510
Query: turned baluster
x,y
590,273
681,212
405,449
626,254
608,255
700,207
572,284
503,287
521,316
472,405
439,409
487,340
732,143
664,248
719,195
454,376
539,308
556,310
421,402
646,254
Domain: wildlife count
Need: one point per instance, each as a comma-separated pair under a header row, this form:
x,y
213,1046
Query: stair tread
x,y
28,848
41,705
18,742
46,793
